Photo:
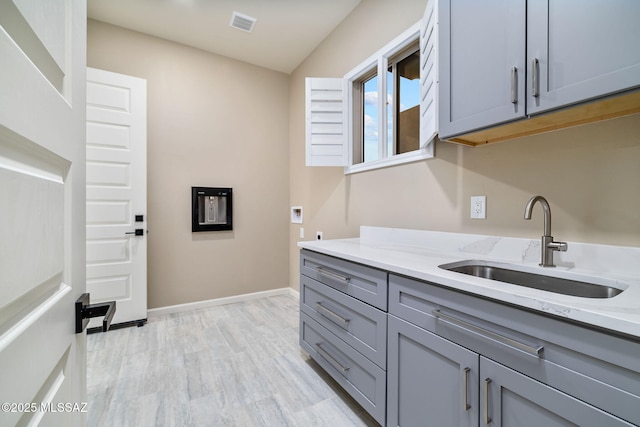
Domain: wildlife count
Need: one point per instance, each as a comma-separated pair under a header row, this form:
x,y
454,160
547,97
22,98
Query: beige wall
x,y
212,121
203,107
589,174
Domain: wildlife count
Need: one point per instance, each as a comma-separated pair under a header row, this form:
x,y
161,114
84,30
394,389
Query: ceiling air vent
x,y
242,22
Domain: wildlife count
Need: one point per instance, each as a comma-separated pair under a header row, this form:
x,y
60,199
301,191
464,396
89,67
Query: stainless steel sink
x,y
559,285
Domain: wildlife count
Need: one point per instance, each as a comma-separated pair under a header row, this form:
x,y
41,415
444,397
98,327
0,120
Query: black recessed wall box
x,y
211,209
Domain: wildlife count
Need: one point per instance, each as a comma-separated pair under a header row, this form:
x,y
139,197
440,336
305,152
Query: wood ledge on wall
x,y
590,112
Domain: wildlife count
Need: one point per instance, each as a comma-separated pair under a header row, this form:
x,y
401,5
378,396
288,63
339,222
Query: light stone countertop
x,y
418,254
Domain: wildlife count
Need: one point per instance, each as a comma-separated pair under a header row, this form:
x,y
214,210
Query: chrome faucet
x,y
548,245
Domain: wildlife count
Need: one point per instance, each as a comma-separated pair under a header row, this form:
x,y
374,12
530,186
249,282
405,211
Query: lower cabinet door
x,y
430,380
509,398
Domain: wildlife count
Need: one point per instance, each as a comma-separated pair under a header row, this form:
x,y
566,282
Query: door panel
x,y
517,400
116,192
426,377
476,81
585,49
42,173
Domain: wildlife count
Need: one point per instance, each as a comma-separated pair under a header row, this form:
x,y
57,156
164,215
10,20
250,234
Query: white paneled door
x,y
117,193
42,211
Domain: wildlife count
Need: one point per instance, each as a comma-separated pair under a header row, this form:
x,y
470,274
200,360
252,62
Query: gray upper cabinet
x,y
502,60
481,43
584,50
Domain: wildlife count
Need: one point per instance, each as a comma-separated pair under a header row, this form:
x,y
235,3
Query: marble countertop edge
x,y
418,254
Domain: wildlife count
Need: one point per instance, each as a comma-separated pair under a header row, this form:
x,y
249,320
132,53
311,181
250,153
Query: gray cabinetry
x,y
343,325
434,382
555,372
362,379
430,380
509,398
501,60
482,54
359,281
441,357
580,50
360,325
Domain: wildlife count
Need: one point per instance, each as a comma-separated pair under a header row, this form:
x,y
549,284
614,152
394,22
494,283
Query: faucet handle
x,y
557,246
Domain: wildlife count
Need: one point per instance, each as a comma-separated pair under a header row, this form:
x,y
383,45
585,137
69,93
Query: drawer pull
x,y
514,85
329,358
465,386
487,418
333,275
331,315
534,351
535,75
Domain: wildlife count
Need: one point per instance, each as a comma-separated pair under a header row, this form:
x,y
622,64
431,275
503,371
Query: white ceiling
x,y
285,33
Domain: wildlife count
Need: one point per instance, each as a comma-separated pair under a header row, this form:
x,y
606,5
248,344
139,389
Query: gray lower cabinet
x,y
459,360
361,282
431,381
440,357
512,399
343,325
360,325
435,382
362,379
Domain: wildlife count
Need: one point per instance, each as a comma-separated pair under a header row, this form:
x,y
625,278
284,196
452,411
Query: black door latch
x,y
138,232
85,311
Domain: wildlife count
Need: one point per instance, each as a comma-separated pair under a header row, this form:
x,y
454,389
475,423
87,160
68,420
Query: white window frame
x,y
326,134
379,60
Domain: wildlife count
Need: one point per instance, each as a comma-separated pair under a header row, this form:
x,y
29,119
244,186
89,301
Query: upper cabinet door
x,y
482,63
581,49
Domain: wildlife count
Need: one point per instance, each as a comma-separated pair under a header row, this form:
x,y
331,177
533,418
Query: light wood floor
x,y
233,365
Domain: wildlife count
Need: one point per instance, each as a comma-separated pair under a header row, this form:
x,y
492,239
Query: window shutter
x,y
326,122
429,77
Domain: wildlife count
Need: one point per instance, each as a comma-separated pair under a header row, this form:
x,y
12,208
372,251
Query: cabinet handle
x,y
535,75
333,275
465,386
324,311
534,351
329,358
514,85
487,418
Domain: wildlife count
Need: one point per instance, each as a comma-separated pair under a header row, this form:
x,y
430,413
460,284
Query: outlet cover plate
x,y
478,207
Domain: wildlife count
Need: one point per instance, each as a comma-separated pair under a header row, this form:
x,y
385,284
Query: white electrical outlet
x,y
478,207
318,235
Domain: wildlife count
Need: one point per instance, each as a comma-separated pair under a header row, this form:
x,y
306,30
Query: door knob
x,y
85,311
138,232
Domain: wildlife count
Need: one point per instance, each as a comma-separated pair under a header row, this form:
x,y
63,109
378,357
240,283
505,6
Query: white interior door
x,y
42,213
117,193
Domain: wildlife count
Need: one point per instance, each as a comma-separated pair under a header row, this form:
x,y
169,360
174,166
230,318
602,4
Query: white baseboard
x,y
179,308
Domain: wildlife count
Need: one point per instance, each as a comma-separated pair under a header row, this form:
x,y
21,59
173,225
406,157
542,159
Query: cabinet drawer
x,y
360,377
364,283
360,325
483,326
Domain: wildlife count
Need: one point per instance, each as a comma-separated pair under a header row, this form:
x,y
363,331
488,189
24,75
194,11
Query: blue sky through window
x,y
409,97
